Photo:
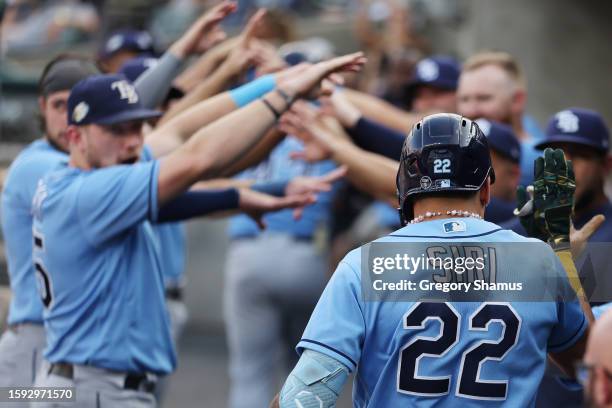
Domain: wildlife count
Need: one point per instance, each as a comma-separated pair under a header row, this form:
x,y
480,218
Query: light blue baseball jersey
x,y
450,354
100,259
280,167
172,242
23,175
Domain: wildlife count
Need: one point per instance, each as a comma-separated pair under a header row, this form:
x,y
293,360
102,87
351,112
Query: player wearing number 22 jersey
x,y
453,354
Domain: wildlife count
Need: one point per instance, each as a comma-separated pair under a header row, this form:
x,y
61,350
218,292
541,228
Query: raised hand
x,y
547,215
205,32
313,185
256,204
305,80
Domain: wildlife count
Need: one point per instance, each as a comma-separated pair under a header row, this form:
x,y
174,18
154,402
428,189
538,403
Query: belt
x,y
133,381
174,293
15,327
296,238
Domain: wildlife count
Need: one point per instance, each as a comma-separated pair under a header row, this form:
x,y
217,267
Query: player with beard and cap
x,y
584,138
493,86
22,343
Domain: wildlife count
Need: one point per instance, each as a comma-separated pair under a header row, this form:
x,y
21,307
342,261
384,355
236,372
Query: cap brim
x,y
446,85
577,140
127,116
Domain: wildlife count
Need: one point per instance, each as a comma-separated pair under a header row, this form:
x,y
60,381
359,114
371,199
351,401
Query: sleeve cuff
x,y
153,191
556,348
328,351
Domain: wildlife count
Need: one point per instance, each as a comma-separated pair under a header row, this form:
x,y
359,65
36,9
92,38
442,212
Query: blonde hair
x,y
499,59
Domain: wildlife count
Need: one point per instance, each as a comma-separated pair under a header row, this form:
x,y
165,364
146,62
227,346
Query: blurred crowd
x,y
357,132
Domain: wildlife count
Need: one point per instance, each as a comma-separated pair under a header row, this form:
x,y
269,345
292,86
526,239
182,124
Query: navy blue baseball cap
x,y
127,40
135,67
106,100
439,72
577,126
501,139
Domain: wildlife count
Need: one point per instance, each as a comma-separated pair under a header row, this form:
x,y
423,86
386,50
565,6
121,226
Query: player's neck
x,y
519,130
77,160
441,207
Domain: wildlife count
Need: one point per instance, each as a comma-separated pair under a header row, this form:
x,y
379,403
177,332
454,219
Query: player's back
x,y
445,353
23,176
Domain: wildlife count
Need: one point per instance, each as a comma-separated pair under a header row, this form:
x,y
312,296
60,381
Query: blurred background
x,y
563,46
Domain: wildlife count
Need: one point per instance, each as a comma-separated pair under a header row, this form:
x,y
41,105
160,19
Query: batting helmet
x,y
443,153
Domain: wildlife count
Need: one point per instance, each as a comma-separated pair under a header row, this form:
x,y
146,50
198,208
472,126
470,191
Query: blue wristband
x,y
247,93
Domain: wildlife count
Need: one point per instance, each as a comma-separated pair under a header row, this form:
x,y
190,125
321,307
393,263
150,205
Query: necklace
x,y
454,213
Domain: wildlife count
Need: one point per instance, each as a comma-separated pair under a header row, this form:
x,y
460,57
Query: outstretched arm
x,y
153,85
215,147
325,138
238,60
382,111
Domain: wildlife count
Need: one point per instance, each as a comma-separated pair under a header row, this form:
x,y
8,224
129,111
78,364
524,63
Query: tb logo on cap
x,y
126,91
567,121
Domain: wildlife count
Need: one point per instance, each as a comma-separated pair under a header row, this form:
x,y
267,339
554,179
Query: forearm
x,y
154,84
565,256
257,154
200,203
211,86
215,147
176,131
205,65
316,375
369,172
381,111
376,138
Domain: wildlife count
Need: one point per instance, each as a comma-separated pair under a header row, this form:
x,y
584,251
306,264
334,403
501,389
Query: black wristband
x,y
276,113
288,99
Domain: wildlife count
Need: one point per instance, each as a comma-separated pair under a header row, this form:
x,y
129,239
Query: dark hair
x,y
57,59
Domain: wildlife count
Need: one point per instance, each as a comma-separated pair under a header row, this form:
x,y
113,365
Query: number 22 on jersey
x,y
469,383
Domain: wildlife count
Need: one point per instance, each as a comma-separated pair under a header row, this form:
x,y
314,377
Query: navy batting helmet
x,y
444,153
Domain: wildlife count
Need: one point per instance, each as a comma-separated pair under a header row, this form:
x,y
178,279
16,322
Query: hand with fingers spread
x,y
313,185
267,59
205,32
318,133
256,204
305,80
547,215
246,50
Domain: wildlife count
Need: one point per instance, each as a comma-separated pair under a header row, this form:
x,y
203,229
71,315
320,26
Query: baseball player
x,y
493,86
434,353
268,301
105,317
22,343
584,138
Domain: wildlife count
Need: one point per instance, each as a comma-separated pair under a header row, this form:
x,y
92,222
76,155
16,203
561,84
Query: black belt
x,y
135,382
174,293
297,238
